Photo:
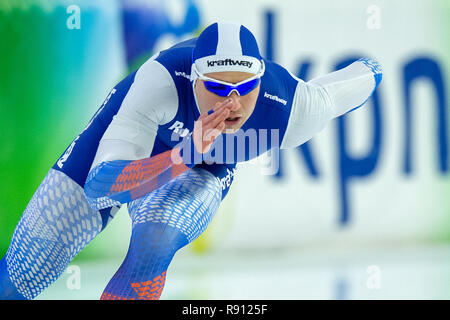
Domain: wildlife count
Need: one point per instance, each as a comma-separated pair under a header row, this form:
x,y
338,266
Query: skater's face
x,y
243,105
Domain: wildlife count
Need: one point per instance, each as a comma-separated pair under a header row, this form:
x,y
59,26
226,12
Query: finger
x,y
206,117
202,117
207,113
219,106
216,114
220,127
212,134
218,119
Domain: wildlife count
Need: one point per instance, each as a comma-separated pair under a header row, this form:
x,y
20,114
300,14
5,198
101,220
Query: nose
x,y
235,97
236,100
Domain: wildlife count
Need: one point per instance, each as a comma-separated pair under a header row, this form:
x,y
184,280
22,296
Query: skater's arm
x,y
151,101
329,96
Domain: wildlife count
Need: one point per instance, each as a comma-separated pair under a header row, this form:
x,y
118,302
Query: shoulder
x,y
153,93
178,58
278,85
151,74
167,66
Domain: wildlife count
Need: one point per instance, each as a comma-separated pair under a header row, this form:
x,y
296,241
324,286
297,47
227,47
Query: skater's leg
x,y
56,225
163,222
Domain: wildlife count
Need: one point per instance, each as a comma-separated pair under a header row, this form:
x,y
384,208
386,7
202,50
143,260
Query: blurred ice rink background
x,y
359,212
406,273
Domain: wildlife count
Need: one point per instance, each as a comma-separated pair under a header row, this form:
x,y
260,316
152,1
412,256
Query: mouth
x,y
233,120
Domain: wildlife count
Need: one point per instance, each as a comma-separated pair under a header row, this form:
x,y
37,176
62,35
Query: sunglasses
x,y
224,89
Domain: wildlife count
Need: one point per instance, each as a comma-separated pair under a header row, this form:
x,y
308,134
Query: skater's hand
x,y
210,125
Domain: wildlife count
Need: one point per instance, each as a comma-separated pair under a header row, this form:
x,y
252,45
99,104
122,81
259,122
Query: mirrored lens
x,y
246,87
224,90
218,88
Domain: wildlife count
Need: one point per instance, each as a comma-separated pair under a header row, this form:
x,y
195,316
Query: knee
x,y
186,205
164,221
8,290
156,240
